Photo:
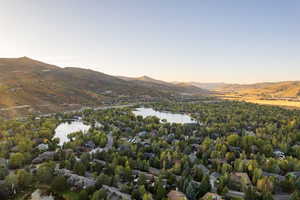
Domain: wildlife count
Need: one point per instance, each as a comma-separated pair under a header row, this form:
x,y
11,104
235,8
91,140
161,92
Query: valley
x,y
77,134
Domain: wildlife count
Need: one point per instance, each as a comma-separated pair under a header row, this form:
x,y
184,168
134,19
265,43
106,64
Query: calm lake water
x,y
170,117
64,129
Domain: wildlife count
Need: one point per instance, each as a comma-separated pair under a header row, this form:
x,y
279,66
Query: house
x,y
279,154
213,180
276,176
124,148
235,194
145,144
149,177
215,136
149,155
115,194
176,195
254,149
101,162
154,133
211,196
249,133
76,180
281,197
90,144
204,169
195,147
234,149
46,156
97,150
192,157
294,174
3,162
217,161
239,181
170,138
43,147
98,125
142,134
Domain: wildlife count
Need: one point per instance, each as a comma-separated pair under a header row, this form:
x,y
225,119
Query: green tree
x,y
79,168
44,174
24,178
204,186
16,160
59,184
83,195
99,195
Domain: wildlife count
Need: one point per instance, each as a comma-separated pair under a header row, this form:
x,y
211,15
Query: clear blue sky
x,y
174,40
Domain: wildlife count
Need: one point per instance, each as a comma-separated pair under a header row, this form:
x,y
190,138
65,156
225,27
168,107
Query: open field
x,y
281,103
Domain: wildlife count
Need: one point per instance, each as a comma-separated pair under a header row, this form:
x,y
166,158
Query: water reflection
x,y
170,117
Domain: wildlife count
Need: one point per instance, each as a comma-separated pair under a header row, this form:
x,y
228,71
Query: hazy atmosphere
x,y
149,100
203,41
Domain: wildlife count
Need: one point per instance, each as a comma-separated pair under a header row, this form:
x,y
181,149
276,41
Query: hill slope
x,y
288,89
27,83
181,88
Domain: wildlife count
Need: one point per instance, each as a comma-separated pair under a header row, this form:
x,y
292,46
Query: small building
x,y
149,155
211,196
90,144
279,154
192,157
276,176
176,195
234,149
46,156
115,193
239,181
43,147
145,144
142,134
204,169
3,162
294,174
97,150
250,133
195,147
213,180
235,194
215,136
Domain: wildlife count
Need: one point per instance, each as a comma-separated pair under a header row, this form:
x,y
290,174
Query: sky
x,y
197,40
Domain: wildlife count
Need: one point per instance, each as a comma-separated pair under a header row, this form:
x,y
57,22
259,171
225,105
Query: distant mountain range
x,y
181,88
287,89
28,83
206,86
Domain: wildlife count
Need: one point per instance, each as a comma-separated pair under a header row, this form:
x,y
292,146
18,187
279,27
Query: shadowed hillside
x,y
29,84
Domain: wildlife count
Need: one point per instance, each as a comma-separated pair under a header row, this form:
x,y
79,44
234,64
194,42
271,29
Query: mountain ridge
x,y
50,88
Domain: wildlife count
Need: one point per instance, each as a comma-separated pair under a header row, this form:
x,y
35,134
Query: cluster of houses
x,y
238,181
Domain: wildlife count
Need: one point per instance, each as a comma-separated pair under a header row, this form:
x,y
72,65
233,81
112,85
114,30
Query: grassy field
x,y
281,103
289,104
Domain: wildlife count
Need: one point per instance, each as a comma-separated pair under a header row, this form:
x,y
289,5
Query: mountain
x,y
30,84
287,89
181,88
208,86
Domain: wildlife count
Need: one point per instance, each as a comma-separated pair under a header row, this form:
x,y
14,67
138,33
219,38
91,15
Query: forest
x,y
236,150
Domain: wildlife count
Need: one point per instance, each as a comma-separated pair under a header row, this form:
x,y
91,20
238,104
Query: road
x,y
110,142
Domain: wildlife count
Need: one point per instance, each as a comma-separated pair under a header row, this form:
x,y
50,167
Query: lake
x,y
170,117
64,129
